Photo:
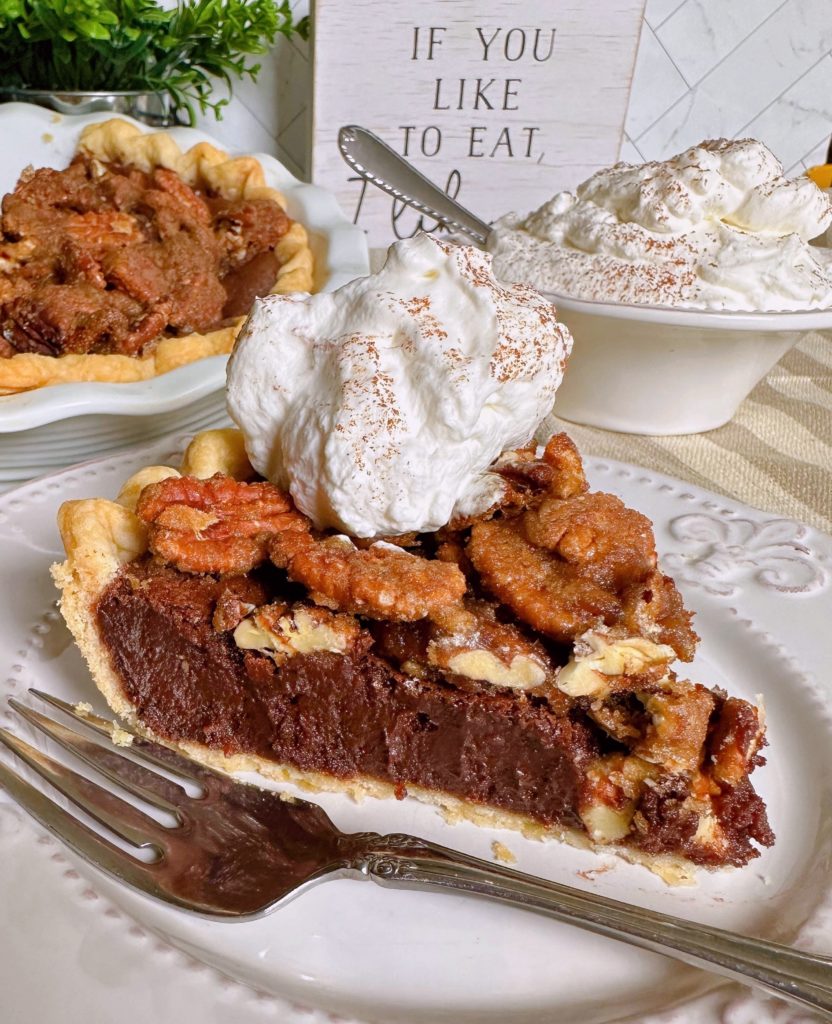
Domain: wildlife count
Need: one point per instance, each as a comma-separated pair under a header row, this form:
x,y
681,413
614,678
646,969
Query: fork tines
x,y
121,818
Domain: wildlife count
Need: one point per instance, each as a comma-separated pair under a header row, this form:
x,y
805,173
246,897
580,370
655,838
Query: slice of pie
x,y
137,258
514,668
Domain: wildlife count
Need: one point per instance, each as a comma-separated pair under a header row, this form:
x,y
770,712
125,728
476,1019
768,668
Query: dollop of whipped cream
x,y
381,406
715,227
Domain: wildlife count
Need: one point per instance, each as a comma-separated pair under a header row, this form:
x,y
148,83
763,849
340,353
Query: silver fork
x,y
237,851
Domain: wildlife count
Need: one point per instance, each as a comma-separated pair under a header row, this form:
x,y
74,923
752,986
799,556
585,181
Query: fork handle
x,y
788,973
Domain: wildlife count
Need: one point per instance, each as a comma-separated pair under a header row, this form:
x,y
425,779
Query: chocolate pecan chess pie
x,y
514,668
137,258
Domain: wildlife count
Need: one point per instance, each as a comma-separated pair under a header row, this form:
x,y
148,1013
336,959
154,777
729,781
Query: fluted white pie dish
x,y
661,370
60,424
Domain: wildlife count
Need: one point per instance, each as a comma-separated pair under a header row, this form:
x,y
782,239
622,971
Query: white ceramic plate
x,y
761,590
58,425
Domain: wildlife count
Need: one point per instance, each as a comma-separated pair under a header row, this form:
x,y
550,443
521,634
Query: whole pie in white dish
x,y
137,258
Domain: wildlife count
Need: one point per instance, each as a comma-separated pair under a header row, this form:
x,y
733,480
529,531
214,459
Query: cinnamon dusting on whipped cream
x,y
715,227
380,407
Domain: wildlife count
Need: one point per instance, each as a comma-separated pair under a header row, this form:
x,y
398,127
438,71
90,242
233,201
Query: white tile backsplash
x,y
630,153
656,80
816,155
755,75
798,121
701,33
239,128
658,11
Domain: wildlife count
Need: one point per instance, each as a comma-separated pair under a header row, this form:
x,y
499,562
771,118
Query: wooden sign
x,y
500,103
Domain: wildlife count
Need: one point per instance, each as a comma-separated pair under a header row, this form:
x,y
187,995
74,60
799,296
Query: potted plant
x,y
158,63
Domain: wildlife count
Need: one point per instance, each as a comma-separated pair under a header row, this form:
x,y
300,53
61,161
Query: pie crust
x,y
101,536
203,166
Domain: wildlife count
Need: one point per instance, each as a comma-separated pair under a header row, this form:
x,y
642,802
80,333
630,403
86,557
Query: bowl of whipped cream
x,y
683,282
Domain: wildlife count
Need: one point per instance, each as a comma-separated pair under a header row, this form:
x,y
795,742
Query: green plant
x,y
114,45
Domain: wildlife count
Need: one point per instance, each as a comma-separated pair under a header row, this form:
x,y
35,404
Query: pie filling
x,y
519,661
100,258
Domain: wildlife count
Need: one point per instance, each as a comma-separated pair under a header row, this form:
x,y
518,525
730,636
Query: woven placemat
x,y
775,454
